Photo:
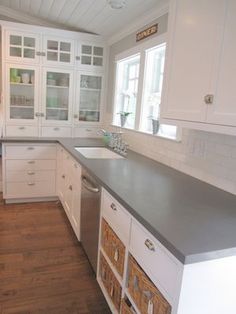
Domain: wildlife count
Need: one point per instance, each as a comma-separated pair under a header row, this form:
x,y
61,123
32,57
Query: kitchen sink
x,y
97,153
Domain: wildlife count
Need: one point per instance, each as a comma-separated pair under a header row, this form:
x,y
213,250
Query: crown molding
x,y
138,23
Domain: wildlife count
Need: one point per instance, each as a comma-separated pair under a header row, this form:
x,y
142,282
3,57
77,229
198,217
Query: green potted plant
x,y
123,117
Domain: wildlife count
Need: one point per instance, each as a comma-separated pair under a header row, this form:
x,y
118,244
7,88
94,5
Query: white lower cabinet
x,y
69,187
135,272
29,171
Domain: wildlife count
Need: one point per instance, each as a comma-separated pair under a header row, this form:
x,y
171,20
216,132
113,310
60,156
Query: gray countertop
x,y
192,219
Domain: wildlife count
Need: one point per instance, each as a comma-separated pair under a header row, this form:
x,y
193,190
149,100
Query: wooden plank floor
x,y
43,268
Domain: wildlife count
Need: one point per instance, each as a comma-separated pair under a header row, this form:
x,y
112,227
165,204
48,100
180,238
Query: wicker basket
x,y
151,297
145,295
134,281
113,247
110,282
126,308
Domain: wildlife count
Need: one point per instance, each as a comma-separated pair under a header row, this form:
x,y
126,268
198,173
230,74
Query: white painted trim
x,y
151,43
52,31
138,23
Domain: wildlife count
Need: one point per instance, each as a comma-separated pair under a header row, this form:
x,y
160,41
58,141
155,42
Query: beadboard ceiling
x,y
94,16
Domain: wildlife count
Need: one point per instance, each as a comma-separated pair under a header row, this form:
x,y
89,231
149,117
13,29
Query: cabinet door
x,y
61,174
223,109
76,197
21,94
57,96
22,47
58,51
68,192
91,56
195,29
89,97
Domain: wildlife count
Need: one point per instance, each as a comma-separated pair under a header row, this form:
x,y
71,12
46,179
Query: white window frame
x,y
141,50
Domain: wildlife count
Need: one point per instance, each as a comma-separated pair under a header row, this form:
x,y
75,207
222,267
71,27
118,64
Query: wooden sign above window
x,y
147,32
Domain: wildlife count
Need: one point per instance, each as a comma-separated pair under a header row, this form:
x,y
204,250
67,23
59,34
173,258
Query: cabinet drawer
x,y
56,131
21,131
116,216
25,165
160,265
26,176
30,189
86,132
30,151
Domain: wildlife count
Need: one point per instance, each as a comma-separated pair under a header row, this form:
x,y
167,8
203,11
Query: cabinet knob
x,y
63,176
31,162
70,187
21,128
76,116
113,206
56,129
43,54
38,53
149,245
209,99
77,58
31,183
37,114
31,173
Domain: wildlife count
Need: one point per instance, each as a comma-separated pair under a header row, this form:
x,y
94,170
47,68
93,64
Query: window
x,y
141,102
126,91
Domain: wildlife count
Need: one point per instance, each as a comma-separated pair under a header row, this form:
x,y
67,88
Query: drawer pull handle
x,y
113,206
31,162
30,148
149,245
70,187
63,176
21,128
31,173
31,183
56,129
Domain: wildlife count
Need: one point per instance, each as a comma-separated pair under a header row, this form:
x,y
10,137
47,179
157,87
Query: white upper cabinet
x,y
200,67
58,51
223,110
21,97
90,56
57,95
22,47
89,97
47,76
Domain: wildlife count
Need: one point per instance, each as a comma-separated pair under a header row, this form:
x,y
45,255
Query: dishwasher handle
x,y
89,186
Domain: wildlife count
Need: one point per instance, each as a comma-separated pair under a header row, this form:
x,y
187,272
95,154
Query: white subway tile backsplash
x,y
209,157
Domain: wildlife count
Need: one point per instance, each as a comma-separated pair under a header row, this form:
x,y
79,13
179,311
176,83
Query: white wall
x,y
209,157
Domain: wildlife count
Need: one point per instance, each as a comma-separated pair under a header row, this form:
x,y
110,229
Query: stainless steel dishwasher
x,y
90,214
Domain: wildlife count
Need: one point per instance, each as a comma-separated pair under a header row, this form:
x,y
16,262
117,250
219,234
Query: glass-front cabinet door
x,y
91,56
89,97
57,95
22,47
22,94
58,51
